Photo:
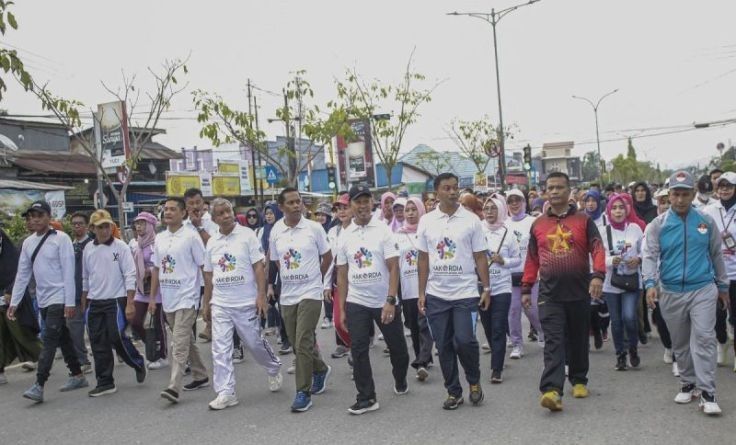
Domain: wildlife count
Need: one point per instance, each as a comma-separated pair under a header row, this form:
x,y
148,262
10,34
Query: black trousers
x,y
662,330
566,325
56,335
106,323
421,339
359,320
495,323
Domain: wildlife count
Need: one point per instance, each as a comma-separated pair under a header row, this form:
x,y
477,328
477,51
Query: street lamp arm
x,y
502,13
605,96
595,108
478,15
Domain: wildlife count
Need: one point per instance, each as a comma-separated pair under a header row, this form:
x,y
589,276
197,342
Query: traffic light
x,y
527,158
331,179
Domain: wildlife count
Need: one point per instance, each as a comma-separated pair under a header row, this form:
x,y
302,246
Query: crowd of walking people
x,y
573,262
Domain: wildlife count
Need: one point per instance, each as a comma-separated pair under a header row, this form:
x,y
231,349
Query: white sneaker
x,y
686,394
158,364
517,352
223,401
667,357
567,370
486,348
275,382
721,351
380,337
326,323
675,370
709,405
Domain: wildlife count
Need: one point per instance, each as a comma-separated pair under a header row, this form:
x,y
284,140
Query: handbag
x,y
626,282
153,343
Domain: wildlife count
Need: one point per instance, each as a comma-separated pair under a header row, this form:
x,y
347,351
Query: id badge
x,y
728,240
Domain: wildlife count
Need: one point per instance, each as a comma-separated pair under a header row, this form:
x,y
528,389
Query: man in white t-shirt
x,y
367,283
235,299
301,250
178,256
451,249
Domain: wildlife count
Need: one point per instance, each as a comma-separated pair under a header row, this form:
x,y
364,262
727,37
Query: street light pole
x,y
493,18
601,164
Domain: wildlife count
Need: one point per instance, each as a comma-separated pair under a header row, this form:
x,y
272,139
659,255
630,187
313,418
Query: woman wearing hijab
x,y
623,253
632,217
386,213
399,218
253,220
406,240
643,204
593,208
142,247
519,224
503,256
271,214
16,341
600,317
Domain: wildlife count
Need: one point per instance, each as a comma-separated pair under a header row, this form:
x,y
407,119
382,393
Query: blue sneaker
x,y
34,393
319,380
74,382
302,402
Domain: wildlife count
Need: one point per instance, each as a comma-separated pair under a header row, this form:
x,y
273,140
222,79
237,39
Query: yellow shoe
x,y
580,391
551,400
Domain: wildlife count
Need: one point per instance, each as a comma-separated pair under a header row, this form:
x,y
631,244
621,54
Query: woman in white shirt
x,y
406,239
503,255
622,242
345,215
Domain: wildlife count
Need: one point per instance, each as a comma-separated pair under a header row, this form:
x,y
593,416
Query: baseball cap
x,y
344,199
38,206
681,180
727,176
401,201
661,193
100,217
357,191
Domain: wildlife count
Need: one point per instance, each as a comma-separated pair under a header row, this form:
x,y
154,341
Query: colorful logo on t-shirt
x,y
411,258
560,241
363,258
292,259
227,263
168,263
446,249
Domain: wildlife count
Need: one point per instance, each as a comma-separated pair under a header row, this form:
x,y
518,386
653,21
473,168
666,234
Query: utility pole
x,y
255,105
252,147
601,164
493,18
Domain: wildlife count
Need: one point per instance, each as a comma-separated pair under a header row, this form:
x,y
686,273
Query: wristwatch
x,y
200,229
391,300
487,289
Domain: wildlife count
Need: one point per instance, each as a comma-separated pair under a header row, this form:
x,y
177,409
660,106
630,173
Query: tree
x,y
142,120
434,162
9,60
225,124
475,139
363,100
591,166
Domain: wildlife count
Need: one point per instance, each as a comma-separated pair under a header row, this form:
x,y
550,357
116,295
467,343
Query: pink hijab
x,y
503,212
384,197
612,200
631,215
412,228
143,241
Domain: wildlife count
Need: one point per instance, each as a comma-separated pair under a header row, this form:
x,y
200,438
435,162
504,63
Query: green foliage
x,y
9,60
476,140
434,162
15,227
363,100
590,166
628,169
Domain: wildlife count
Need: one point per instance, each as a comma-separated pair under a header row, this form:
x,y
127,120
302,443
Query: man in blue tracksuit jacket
x,y
683,248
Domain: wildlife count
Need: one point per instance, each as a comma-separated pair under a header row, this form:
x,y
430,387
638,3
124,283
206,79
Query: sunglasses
x,y
252,216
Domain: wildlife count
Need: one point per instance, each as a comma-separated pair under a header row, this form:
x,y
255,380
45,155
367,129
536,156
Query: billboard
x,y
111,130
355,157
178,183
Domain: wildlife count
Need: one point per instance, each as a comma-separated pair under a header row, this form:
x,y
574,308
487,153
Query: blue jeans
x,y
624,319
495,324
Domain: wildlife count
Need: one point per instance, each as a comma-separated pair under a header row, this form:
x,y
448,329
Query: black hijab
x,y
645,210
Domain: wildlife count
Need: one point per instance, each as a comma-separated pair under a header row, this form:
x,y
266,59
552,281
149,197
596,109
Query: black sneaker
x,y
102,390
140,374
363,406
452,402
496,377
634,358
285,348
597,339
401,388
197,384
476,394
620,362
532,335
188,369
238,355
170,395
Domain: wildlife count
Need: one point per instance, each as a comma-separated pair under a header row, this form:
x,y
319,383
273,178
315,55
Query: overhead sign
x,y
111,131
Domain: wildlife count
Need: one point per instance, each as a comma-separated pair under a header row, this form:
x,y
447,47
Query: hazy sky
x,y
673,61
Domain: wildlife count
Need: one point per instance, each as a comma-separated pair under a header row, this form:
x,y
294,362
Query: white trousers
x,y
245,321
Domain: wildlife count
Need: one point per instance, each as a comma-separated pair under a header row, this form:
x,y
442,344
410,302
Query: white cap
x,y
727,176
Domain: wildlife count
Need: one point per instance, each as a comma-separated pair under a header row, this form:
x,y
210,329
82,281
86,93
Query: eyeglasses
x,y
252,216
78,223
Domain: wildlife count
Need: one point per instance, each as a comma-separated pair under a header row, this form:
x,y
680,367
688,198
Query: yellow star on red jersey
x,y
560,240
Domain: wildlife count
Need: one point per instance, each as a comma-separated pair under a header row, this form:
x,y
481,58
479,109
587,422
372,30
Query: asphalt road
x,y
624,407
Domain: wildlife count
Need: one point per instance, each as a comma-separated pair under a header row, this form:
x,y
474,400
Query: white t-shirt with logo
x,y
230,258
408,259
450,241
298,250
179,257
499,276
521,230
365,250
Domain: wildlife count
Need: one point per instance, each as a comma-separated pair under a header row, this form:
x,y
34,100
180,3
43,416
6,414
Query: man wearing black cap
x,y
367,283
48,256
683,251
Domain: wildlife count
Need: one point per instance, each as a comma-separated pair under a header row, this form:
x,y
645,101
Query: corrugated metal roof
x,y
28,185
50,162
